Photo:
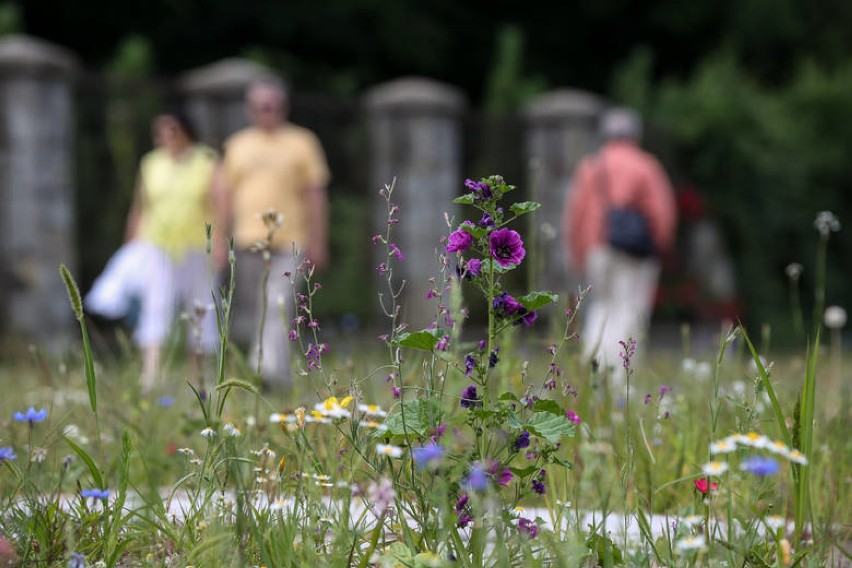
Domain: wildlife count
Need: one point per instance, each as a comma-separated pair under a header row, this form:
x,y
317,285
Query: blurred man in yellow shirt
x,y
276,166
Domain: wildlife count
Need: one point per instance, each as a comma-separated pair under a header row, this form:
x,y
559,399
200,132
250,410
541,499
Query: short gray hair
x,y
621,122
272,83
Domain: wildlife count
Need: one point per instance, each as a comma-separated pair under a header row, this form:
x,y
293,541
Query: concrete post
x,y
561,129
215,96
416,136
36,189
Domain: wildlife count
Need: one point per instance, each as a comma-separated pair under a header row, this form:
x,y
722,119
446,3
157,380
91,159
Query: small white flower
x,y
826,222
798,457
208,433
779,448
692,520
754,440
714,468
690,543
834,317
38,455
776,522
688,365
388,450
793,270
231,430
724,446
703,371
372,410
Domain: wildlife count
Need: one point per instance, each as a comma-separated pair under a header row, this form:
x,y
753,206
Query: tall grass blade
x,y
770,390
88,359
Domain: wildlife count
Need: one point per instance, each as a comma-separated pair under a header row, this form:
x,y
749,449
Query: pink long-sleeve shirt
x,y
633,177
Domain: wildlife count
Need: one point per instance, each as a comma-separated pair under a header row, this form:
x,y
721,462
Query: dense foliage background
x,y
749,99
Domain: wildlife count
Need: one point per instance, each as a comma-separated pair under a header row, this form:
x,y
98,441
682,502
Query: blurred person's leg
x,y
197,292
275,363
599,299
156,311
633,283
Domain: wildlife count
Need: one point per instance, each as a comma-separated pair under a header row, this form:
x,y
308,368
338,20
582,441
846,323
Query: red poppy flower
x,y
701,485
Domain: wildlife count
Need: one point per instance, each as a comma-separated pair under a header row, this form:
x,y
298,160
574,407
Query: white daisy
x,y
389,450
372,410
208,433
724,446
690,543
714,468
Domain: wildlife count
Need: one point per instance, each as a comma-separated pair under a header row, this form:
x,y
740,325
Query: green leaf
x,y
547,405
424,340
608,554
524,471
487,263
536,300
559,461
466,199
524,207
550,426
421,415
93,469
509,396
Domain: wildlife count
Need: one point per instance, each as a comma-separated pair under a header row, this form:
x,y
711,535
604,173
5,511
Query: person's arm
x,y
134,216
317,248
662,207
575,218
222,209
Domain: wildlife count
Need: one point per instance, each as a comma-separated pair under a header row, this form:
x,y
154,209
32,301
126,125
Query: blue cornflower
x,y
77,560
477,479
166,401
31,415
427,456
7,454
760,466
522,441
95,494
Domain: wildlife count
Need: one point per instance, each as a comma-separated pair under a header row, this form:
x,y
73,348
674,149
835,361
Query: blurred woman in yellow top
x,y
172,205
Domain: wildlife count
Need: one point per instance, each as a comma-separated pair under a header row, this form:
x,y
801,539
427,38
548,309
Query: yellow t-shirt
x,y
273,171
176,199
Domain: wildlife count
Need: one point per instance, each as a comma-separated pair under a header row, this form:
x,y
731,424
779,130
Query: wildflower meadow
x,y
452,445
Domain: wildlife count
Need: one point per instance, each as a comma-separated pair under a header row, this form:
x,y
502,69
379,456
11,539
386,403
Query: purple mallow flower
x,y
473,267
506,305
31,415
527,527
459,241
538,483
760,466
522,441
428,456
487,221
506,247
443,344
464,518
469,364
504,477
528,318
470,398
480,190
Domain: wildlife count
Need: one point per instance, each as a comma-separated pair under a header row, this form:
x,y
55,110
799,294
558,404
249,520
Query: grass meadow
x,y
447,446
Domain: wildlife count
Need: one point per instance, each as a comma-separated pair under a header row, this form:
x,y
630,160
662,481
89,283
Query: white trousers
x,y
619,303
172,285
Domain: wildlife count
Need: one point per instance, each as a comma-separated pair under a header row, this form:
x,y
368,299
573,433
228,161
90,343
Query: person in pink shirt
x,y
623,284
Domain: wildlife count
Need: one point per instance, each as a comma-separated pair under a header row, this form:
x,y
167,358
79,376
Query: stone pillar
x,y
561,129
215,96
416,136
36,189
